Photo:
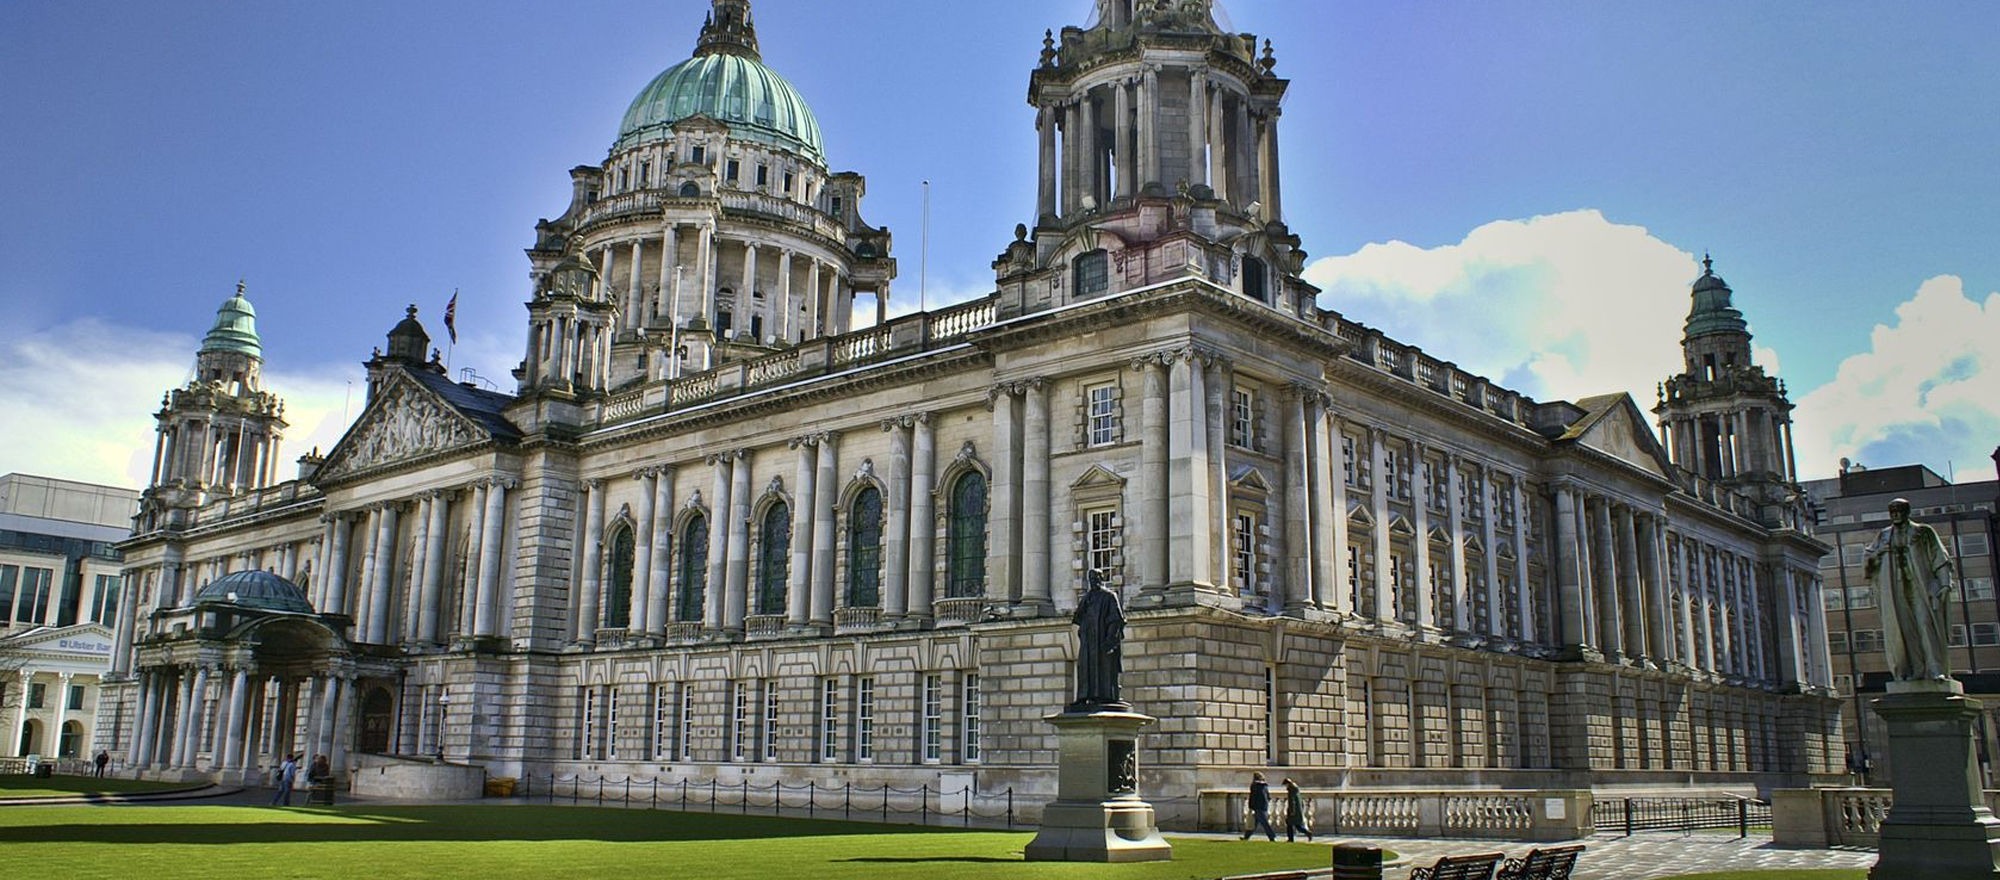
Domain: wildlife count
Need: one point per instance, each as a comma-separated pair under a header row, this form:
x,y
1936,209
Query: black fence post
x,y
745,797
711,795
654,802
847,805
628,791
1628,817
684,794
1742,818
1010,806
885,802
924,809
966,811
812,796
600,789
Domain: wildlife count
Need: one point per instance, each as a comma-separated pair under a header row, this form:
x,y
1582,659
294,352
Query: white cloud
x,y
78,401
1556,306
1926,390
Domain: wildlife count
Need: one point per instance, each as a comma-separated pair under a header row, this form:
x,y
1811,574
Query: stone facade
x,y
811,552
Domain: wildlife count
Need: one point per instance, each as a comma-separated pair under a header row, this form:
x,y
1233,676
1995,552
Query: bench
x,y
1554,863
1479,867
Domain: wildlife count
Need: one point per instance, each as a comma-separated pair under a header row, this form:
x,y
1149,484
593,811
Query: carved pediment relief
x,y
404,422
1620,431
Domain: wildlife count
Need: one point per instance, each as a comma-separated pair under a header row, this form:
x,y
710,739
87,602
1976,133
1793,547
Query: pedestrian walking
x,y
287,774
103,760
1260,807
1295,812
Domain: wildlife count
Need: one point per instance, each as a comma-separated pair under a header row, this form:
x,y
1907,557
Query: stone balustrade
x,y
1534,815
1816,818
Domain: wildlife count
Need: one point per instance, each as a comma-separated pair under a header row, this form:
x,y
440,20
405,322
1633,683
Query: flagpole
x,y
924,265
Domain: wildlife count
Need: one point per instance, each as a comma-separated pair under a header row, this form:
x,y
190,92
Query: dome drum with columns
x,y
715,495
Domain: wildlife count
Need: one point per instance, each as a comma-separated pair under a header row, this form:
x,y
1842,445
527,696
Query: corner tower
x,y
713,231
1158,136
1722,419
220,433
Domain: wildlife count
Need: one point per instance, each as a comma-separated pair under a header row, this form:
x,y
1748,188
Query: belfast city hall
x,y
728,528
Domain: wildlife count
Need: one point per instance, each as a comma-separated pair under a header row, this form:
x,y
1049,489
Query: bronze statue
x,y
1912,577
1100,631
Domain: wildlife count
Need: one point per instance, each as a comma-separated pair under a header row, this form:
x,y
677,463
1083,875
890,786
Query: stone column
x,y
825,490
1267,163
1792,666
635,315
1569,564
747,296
136,755
660,550
670,259
1791,459
1067,115
1189,564
1153,448
385,570
923,519
816,302
1197,113
896,513
798,589
1121,137
1328,554
13,744
343,724
1496,600
1632,602
1461,593
312,700
788,314
1382,479
1344,590
431,608
1420,544
121,646
1045,193
1297,582
640,600
414,590
737,605
492,547
62,709
1004,557
194,713
705,260
230,756
468,591
1220,375
1606,587
589,610
1149,109
1653,554
718,543
1035,514
372,537
1218,165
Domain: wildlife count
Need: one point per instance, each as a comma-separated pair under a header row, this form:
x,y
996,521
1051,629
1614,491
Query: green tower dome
x,y
726,81
1712,311
235,327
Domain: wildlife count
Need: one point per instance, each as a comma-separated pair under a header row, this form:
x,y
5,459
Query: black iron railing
x,y
1627,815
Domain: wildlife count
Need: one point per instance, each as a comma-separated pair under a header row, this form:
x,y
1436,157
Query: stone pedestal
x,y
1097,815
1939,827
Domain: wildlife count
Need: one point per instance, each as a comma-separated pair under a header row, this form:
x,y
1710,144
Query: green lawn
x,y
1790,874
18,785
529,841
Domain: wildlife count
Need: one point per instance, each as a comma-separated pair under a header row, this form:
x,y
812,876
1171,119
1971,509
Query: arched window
x,y
774,551
694,569
71,742
689,190
1092,273
618,580
864,550
965,538
1255,284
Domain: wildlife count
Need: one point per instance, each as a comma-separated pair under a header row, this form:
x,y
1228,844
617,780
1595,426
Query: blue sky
x,y
347,159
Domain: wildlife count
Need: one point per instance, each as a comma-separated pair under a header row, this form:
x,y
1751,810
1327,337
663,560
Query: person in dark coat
x,y
1295,812
1260,807
103,760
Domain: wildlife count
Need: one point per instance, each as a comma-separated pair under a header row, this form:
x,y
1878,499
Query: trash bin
x,y
45,771
321,794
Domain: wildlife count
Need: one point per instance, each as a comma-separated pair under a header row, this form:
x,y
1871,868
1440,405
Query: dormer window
x,y
836,207
1092,273
1255,285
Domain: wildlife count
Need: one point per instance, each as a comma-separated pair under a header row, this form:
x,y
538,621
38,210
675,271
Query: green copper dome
x,y
739,91
1712,311
235,327
255,589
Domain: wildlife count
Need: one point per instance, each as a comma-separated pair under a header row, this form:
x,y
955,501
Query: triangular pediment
x,y
1249,478
1358,513
1401,526
1473,544
83,641
405,422
1098,476
1612,424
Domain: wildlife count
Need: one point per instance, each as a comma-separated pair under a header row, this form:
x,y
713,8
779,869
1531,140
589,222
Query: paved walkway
x,y
1642,856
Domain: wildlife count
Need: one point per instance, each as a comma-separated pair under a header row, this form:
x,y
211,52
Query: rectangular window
x,y
788,183
739,716
663,723
1103,403
1958,635
1978,588
1983,634
645,173
32,604
1833,599
1972,545
829,720
8,575
1860,597
698,154
771,720
37,693
71,601
1347,459
1854,554
1836,642
763,175
624,179
864,720
836,206
1271,714
1242,417
104,600
686,738
933,718
1243,559
586,742
1392,466
1101,540
1867,640
969,747
611,721
734,168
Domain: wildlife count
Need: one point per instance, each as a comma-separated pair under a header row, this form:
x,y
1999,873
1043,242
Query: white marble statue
x,y
1912,577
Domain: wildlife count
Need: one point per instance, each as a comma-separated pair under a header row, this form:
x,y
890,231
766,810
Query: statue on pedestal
x,y
1911,573
1100,632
